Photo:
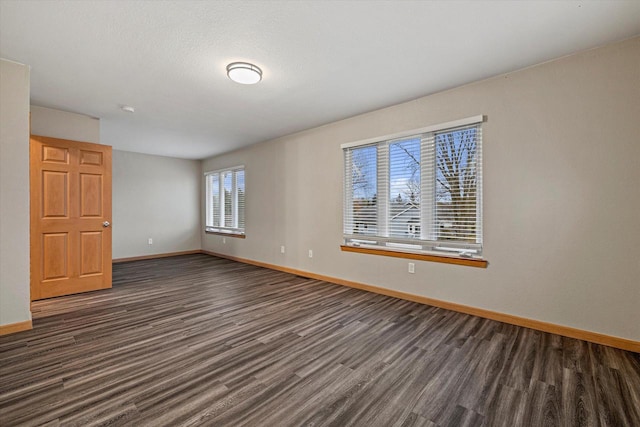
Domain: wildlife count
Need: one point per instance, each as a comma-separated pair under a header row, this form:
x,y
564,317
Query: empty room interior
x,y
319,213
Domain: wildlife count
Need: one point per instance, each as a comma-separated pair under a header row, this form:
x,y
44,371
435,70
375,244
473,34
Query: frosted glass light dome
x,y
244,73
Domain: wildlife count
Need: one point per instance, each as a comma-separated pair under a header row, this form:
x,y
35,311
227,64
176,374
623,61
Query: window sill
x,y
222,233
470,262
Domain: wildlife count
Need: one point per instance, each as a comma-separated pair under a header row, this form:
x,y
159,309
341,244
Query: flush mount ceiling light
x,y
127,108
244,73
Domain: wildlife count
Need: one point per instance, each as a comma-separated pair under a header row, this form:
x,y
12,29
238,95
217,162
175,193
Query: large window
x,y
225,196
419,191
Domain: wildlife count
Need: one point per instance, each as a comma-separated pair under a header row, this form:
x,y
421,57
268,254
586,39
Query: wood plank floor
x,y
198,340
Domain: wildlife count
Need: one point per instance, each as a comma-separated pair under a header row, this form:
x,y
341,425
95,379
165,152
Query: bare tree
x,y
457,183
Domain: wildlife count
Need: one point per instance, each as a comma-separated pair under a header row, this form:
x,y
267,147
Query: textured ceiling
x,y
322,61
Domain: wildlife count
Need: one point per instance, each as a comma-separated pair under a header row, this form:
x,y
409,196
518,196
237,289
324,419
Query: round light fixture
x,y
127,109
244,73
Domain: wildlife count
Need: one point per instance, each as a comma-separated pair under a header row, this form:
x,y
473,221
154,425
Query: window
x,y
419,191
225,200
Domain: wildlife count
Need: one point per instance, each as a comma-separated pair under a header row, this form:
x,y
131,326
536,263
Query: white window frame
x,y
235,228
426,244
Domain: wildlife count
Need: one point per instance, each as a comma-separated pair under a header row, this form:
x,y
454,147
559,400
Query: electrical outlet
x,y
150,241
412,268
310,253
281,249
224,240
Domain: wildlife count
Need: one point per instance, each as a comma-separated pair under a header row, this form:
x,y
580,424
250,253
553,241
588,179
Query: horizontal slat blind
x,y
361,207
213,200
241,197
427,187
404,188
225,200
420,192
457,170
227,188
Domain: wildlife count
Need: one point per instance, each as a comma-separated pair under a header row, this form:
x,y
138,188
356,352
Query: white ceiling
x,y
322,61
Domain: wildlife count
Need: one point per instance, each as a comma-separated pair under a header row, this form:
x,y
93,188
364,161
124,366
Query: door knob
x,y
106,224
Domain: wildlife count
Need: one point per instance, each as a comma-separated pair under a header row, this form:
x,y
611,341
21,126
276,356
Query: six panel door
x,y
70,217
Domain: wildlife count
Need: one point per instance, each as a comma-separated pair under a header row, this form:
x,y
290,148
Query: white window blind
x,y
362,201
225,200
240,198
417,191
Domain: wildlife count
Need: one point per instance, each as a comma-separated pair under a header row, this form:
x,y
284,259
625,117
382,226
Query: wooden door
x,y
70,217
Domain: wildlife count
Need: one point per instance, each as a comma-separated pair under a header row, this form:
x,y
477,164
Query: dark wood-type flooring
x,y
198,340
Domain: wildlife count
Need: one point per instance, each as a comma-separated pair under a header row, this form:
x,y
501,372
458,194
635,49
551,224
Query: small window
x,y
225,201
419,191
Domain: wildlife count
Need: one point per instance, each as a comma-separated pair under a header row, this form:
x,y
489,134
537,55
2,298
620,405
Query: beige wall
x,y
14,193
154,197
64,125
561,198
